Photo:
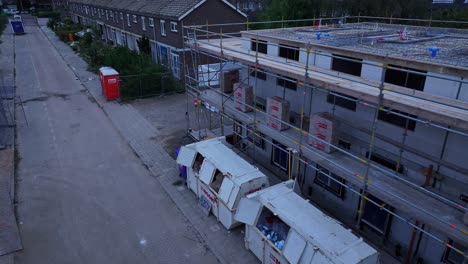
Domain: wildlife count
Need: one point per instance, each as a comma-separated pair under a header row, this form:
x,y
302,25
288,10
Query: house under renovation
x,y
371,119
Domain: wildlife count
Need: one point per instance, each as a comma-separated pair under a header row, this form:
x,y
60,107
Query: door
x,y
175,65
248,211
163,51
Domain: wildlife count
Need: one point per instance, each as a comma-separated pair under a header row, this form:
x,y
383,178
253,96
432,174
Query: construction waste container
x,y
110,83
282,227
219,177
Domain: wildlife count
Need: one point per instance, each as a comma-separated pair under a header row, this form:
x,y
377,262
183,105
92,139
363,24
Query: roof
x,y
334,241
392,40
161,8
108,71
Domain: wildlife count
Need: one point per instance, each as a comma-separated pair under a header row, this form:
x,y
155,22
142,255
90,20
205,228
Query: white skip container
x,y
281,227
219,177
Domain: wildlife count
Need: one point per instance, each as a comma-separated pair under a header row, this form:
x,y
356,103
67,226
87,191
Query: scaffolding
x,y
450,116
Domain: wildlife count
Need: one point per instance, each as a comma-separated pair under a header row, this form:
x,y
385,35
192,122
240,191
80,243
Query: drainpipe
x,y
410,248
419,240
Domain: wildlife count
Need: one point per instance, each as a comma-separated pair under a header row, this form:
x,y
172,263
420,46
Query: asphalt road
x,y
84,197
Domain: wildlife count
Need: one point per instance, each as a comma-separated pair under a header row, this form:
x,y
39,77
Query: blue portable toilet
x,y
16,24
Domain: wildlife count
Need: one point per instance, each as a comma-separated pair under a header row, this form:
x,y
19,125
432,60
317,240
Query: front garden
x,y
140,77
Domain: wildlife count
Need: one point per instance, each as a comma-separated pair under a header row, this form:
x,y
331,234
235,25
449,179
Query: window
x,y
398,120
343,64
280,156
121,16
257,139
162,24
260,74
260,103
451,256
238,5
375,217
174,26
344,144
111,14
261,44
128,20
405,79
143,24
289,52
287,83
99,13
329,181
151,22
135,19
245,5
107,15
342,101
388,163
252,6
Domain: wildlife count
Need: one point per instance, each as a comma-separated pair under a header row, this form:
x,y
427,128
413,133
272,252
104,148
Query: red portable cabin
x,y
110,83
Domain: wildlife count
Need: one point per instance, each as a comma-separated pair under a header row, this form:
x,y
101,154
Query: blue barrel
x,y
182,169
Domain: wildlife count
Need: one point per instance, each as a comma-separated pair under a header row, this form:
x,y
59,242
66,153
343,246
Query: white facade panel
x,y
323,59
371,72
272,49
442,87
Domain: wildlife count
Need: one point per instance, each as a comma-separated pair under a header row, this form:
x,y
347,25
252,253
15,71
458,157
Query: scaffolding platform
x,y
428,107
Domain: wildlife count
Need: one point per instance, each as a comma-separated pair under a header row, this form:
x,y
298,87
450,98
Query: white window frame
x,y
174,26
135,19
162,25
151,22
128,20
143,24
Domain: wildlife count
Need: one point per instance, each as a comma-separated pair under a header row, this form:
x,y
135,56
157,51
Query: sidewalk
x,y
9,235
228,246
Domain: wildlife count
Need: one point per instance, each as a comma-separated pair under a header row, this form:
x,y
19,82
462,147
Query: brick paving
x,y
228,246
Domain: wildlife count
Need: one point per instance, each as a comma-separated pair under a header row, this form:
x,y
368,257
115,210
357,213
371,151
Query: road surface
x,y
84,197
